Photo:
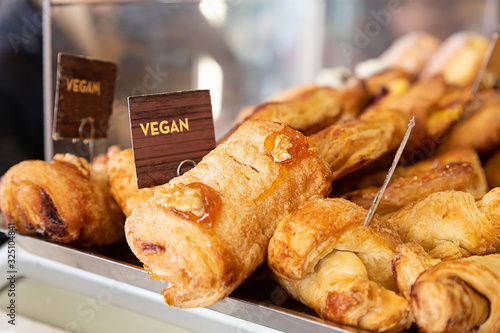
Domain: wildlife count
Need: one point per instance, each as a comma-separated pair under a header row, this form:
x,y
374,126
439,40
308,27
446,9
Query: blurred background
x,y
242,50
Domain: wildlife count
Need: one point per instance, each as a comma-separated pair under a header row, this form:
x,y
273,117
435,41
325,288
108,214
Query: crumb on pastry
x,y
180,197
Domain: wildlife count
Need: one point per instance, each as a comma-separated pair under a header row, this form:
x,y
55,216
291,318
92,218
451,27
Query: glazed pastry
x,y
458,59
353,144
460,176
484,123
206,231
65,201
324,256
452,216
459,296
121,173
491,168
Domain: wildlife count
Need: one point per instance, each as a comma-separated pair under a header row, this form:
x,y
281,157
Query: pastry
x,y
353,144
452,216
411,52
324,256
206,231
484,123
359,181
458,296
66,201
460,176
123,182
458,59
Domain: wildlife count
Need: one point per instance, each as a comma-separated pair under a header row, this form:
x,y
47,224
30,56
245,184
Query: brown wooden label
x,y
84,93
168,129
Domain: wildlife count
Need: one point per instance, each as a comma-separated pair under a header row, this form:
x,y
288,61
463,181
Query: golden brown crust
x,y
313,108
451,216
324,256
203,261
121,174
376,179
411,52
459,296
318,227
377,83
458,59
351,145
460,176
491,169
411,260
484,123
66,201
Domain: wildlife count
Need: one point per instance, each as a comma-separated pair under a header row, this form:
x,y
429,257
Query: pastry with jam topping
x,y
206,231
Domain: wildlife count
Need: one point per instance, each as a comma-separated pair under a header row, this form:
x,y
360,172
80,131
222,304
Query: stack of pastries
x,y
292,183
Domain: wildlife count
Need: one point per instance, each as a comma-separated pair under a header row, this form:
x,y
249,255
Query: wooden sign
x,y
84,97
169,131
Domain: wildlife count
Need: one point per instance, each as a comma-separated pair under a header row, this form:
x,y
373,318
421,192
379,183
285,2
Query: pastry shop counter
x,y
62,289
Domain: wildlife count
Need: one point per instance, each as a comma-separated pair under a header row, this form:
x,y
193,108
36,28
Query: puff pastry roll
x,y
324,256
65,201
361,181
208,230
353,144
411,52
484,123
123,182
459,296
460,176
459,59
452,216
311,108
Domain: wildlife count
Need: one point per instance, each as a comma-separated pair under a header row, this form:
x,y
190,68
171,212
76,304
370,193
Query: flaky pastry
x,y
353,144
460,176
66,201
459,296
246,186
324,256
123,183
452,216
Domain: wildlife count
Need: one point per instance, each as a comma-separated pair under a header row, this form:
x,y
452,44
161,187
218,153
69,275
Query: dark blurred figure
x,y
21,101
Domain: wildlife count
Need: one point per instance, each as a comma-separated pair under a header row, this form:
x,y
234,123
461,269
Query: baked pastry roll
x,y
460,176
66,201
353,144
481,131
458,59
452,216
324,256
358,181
311,108
459,296
123,182
207,230
411,52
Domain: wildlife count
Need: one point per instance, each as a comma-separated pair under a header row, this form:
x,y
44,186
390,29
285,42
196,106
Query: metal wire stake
x,y
395,162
